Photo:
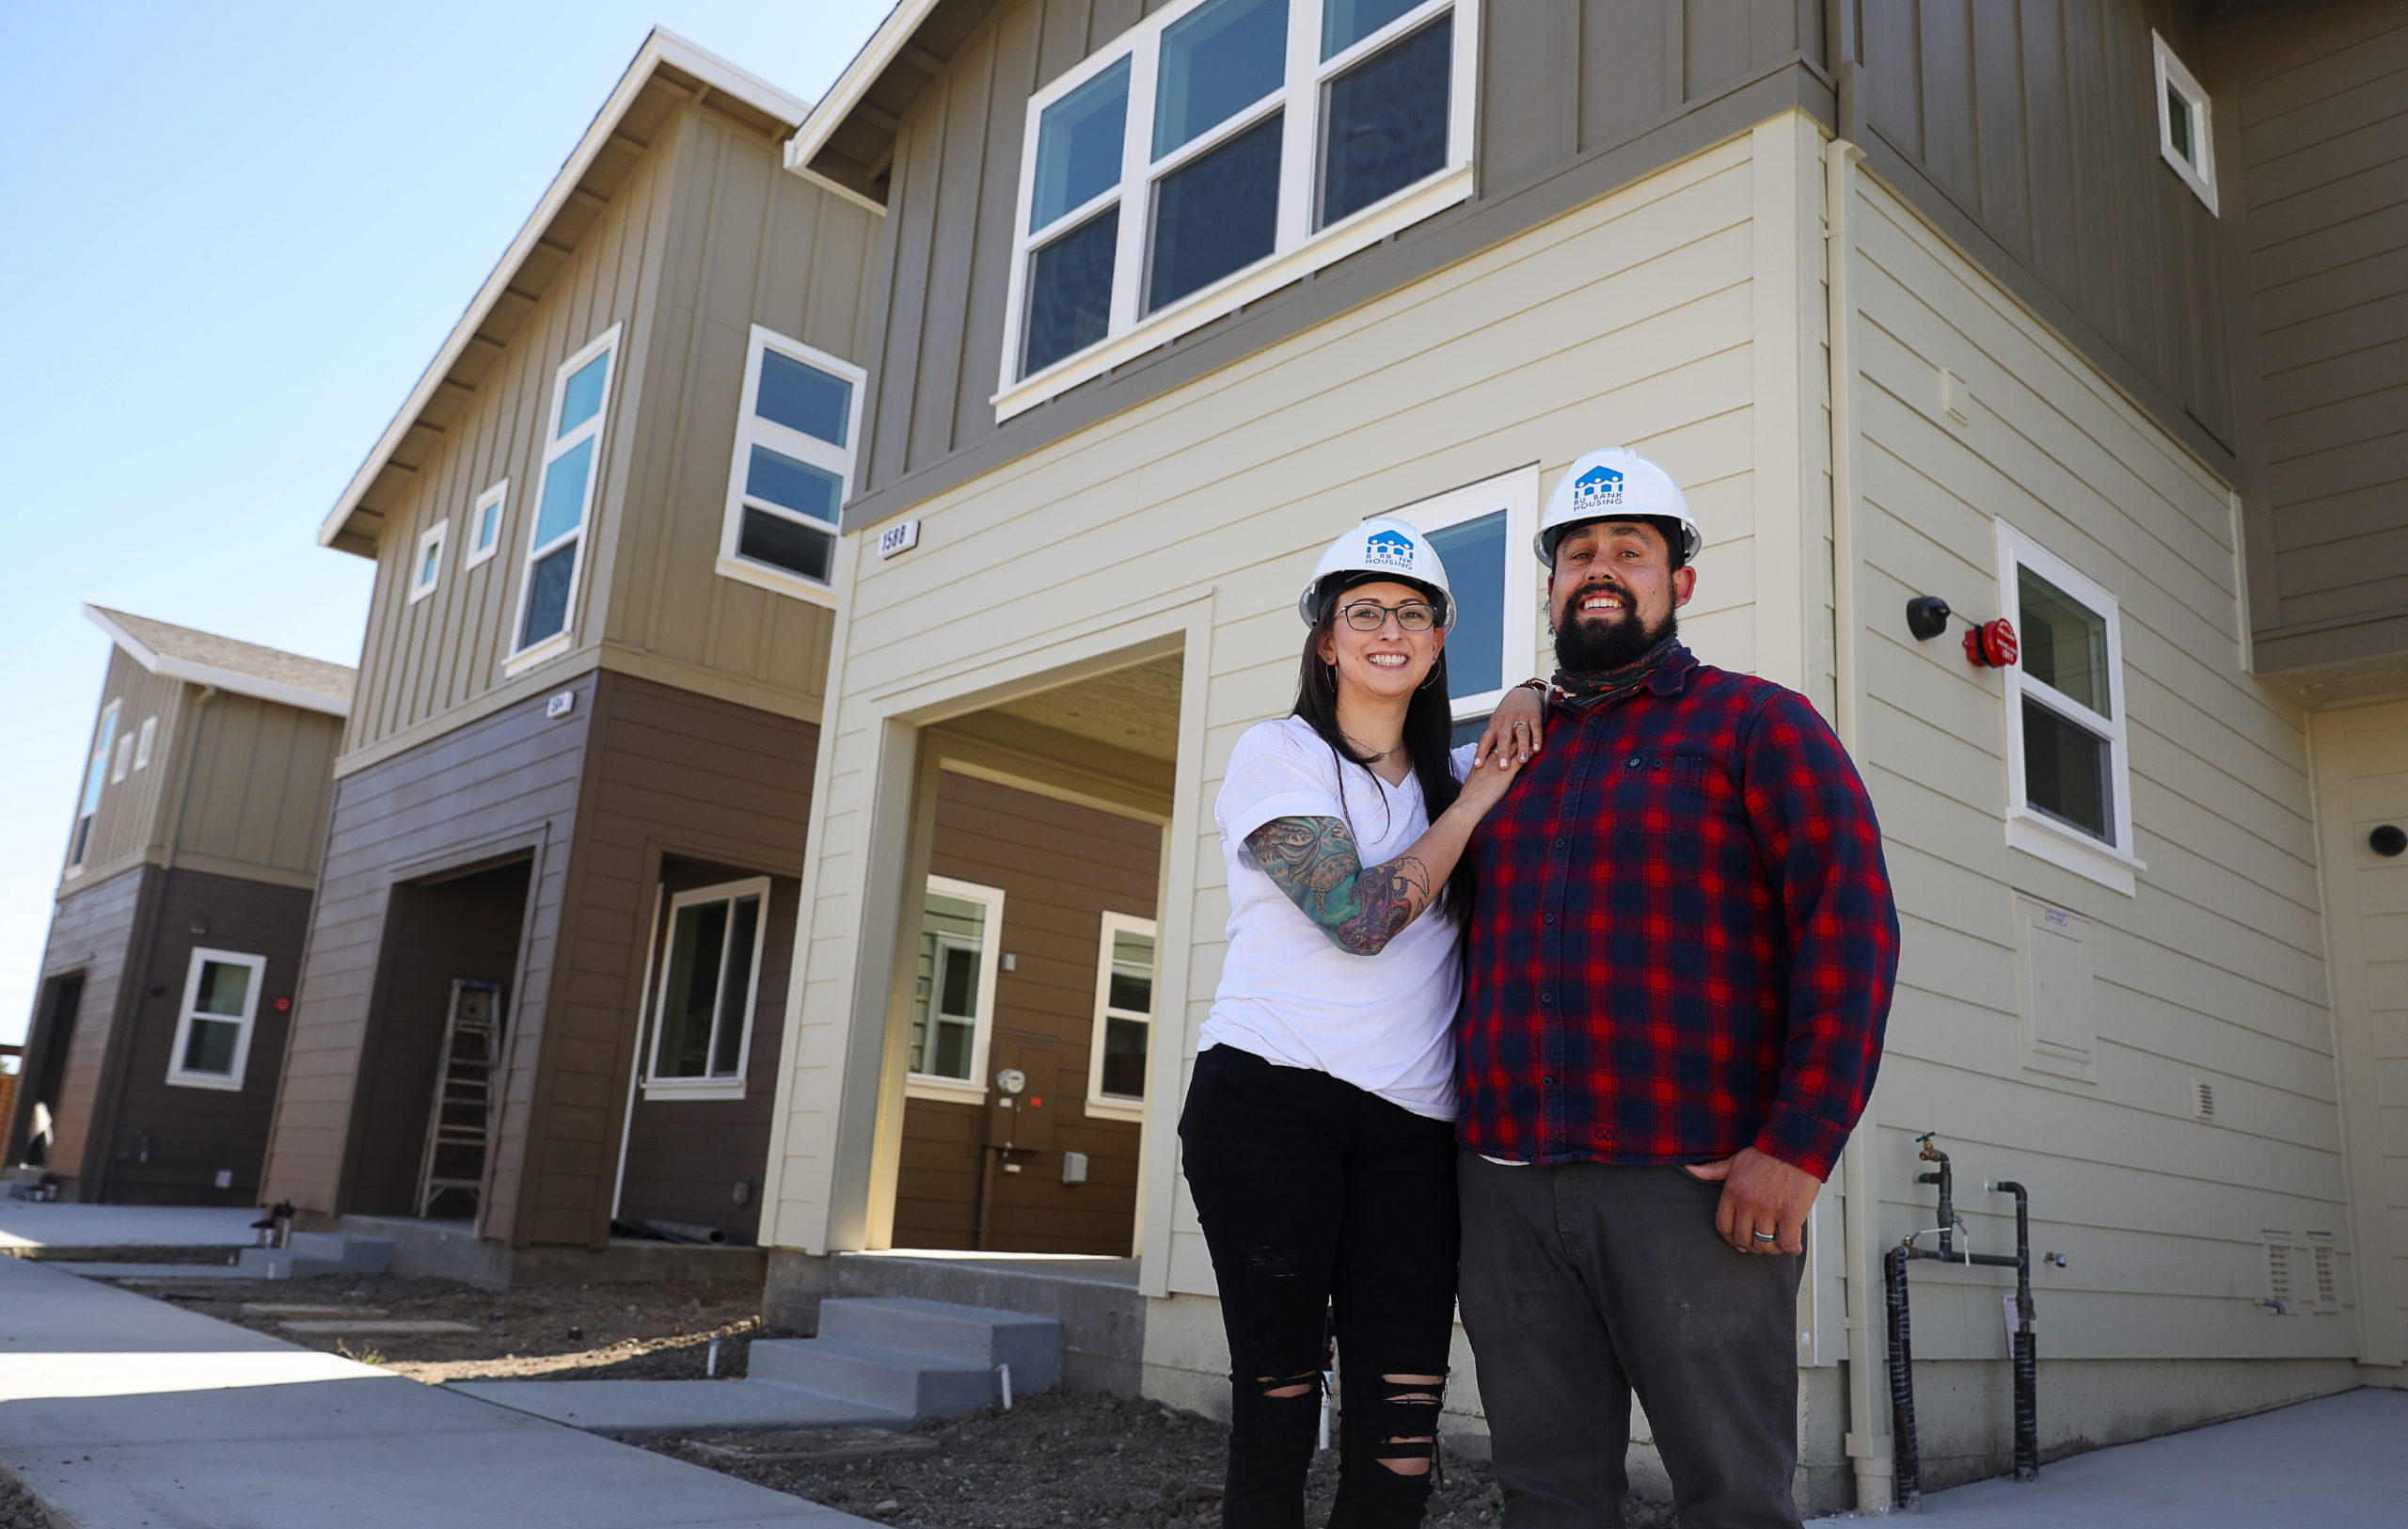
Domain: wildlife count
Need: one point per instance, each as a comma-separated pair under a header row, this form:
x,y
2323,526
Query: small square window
x,y
485,524
793,468
150,735
2185,137
426,568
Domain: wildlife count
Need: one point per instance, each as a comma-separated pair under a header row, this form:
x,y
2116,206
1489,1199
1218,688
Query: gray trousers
x,y
1583,1283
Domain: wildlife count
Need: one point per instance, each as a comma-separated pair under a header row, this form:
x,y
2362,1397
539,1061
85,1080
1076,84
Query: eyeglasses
x,y
1371,616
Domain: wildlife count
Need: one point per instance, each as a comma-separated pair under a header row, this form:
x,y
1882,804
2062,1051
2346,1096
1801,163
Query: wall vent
x,y
2282,1288
2203,1099
2327,1281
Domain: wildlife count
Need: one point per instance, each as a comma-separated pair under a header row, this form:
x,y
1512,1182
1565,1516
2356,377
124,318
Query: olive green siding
x,y
127,830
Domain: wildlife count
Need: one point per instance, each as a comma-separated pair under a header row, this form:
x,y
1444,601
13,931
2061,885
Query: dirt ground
x,y
1097,1462
17,1509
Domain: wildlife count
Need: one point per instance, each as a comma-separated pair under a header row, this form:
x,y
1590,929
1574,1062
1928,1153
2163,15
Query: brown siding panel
x,y
91,932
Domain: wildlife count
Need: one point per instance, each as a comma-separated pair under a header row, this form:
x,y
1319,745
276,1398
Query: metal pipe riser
x,y
1906,1455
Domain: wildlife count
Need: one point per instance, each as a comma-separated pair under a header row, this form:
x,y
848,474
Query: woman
x,y
1318,1133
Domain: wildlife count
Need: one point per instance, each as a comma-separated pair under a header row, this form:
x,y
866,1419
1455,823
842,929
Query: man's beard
x,y
1586,645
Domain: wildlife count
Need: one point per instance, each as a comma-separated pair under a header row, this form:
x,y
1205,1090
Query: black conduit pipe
x,y
2027,1409
1905,1454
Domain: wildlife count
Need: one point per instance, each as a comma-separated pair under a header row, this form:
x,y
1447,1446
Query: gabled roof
x,y
202,658
665,70
846,143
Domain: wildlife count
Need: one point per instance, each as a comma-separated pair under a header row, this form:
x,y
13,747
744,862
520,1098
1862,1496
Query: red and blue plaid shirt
x,y
1685,942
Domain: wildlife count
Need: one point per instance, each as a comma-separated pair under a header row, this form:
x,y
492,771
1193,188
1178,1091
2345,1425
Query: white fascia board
x,y
225,680
662,46
901,24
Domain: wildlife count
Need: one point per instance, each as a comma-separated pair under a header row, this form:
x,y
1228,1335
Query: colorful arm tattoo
x,y
1314,861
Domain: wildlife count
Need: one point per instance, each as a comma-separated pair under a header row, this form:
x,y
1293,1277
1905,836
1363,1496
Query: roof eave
x,y
883,47
661,46
206,674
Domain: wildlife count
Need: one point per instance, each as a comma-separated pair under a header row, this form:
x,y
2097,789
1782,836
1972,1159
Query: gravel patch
x,y
18,1509
116,1252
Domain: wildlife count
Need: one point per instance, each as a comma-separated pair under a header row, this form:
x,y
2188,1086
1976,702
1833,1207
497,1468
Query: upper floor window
x,y
1216,150
427,570
953,997
1482,532
794,466
124,760
709,986
96,776
1124,1018
564,499
2068,781
213,1027
2183,138
485,524
142,747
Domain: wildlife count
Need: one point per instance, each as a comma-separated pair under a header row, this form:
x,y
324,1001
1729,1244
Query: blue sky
x,y
231,237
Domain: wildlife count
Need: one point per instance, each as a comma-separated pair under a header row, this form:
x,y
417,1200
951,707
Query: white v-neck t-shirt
x,y
1288,993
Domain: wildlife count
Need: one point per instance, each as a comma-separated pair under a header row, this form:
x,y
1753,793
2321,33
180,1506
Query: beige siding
x,y
2212,970
128,829
2362,784
255,780
750,244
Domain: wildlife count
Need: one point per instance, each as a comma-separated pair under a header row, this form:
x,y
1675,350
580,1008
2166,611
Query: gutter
x,y
1868,1443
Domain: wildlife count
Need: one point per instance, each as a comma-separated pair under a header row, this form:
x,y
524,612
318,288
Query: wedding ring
x,y
1765,1236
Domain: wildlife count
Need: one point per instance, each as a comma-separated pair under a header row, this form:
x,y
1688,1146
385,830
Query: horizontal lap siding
x,y
91,932
2320,194
1627,321
2214,970
1061,868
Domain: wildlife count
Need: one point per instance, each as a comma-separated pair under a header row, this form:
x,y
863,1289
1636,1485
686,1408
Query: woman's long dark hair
x,y
1428,733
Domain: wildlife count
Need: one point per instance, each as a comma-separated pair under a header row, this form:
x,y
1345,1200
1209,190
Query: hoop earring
x,y
1428,679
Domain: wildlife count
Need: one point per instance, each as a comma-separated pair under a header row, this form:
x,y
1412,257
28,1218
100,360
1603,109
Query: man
x,y
1681,959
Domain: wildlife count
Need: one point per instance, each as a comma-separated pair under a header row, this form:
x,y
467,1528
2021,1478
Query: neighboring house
x,y
574,795
159,1023
2085,316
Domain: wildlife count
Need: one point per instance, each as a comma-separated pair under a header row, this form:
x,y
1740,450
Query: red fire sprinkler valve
x,y
1992,644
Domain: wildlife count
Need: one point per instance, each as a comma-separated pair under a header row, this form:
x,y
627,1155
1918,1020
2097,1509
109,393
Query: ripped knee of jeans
x,y
1404,1420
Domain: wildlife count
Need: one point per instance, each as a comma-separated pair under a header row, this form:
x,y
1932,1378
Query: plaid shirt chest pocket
x,y
1656,796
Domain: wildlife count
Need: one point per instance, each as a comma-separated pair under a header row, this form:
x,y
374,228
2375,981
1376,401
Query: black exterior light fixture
x,y
1988,644
1926,616
2388,841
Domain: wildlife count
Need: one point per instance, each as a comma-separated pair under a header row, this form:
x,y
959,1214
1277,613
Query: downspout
x,y
1868,1443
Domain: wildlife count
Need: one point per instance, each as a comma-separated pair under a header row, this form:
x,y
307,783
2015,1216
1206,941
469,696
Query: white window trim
x,y
2200,178
426,569
1516,493
231,1081
497,498
123,764
555,447
93,787
732,1086
752,429
1297,251
1101,1105
2030,831
148,736
972,1090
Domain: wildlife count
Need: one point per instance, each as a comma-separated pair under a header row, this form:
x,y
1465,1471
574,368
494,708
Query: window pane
x,y
958,981
1069,292
582,398
736,984
953,1049
2177,121
688,996
796,485
803,397
1124,1057
1387,123
488,525
563,504
2065,771
1468,731
225,988
1217,60
428,560
785,544
1345,23
953,931
210,1047
1474,554
548,595
2063,641
1216,214
1130,985
1078,145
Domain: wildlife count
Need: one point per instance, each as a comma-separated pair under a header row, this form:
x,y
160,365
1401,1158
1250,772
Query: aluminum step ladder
x,y
459,1126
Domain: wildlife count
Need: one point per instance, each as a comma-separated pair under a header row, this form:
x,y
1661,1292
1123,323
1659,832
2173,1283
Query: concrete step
x,y
887,1379
979,1335
308,1254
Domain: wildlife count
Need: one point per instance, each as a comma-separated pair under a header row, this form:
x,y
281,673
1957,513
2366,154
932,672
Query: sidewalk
x,y
34,1224
122,1412
2338,1462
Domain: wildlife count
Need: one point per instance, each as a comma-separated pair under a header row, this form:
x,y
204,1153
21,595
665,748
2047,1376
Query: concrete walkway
x,y
120,1411
2339,1463
33,1224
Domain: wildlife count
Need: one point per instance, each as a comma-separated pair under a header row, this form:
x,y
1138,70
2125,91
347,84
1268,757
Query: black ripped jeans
x,y
1316,1196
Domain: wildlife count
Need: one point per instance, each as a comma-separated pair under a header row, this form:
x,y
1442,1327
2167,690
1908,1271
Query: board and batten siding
x,y
2318,168
1671,315
255,781
2212,972
1621,87
129,828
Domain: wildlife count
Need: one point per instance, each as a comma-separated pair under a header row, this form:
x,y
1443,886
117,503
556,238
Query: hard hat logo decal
x,y
1389,550
1596,489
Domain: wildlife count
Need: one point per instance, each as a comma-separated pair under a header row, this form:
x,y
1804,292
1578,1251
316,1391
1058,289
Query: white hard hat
x,y
1386,547
1616,484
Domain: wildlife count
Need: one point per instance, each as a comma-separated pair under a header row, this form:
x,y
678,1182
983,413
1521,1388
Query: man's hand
x,y
1760,1193
1515,727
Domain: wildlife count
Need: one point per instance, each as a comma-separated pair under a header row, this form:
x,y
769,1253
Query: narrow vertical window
x,y
79,843
2184,140
124,760
426,567
485,524
953,994
564,494
792,469
1124,1017
2068,791
709,987
213,1027
142,746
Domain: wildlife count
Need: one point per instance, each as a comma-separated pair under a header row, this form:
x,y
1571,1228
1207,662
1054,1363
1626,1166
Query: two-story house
x,y
2076,315
166,981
